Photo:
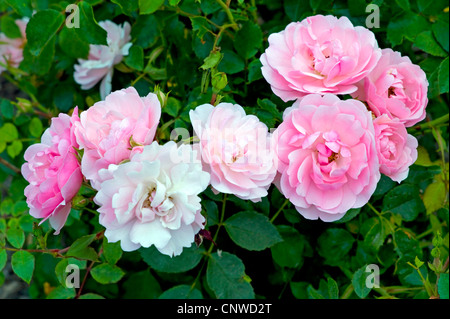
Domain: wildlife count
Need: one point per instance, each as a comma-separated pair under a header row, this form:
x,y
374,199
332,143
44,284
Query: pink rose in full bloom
x,y
153,199
106,129
11,50
100,63
53,171
396,87
321,54
327,156
397,150
236,150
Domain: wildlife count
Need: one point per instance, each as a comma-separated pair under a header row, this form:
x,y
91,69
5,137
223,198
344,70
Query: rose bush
x,y
224,149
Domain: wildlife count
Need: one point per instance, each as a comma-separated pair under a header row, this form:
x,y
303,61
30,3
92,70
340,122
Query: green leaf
x,y
89,29
252,231
443,77
91,295
73,43
418,262
225,276
8,133
299,289
270,107
231,63
127,6
404,200
254,71
145,31
333,289
107,274
149,6
135,58
35,127
333,244
426,42
375,236
443,286
62,293
41,64
359,282
296,10
141,285
404,4
289,252
434,196
211,60
212,212
181,292
3,258
10,28
16,237
14,148
407,25
111,251
320,4
80,248
440,31
407,247
39,37
174,2
172,107
22,7
22,263
248,40
200,26
189,258
7,109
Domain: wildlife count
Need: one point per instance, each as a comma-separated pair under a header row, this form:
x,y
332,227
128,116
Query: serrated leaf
x,y
248,40
149,6
62,293
443,77
107,274
252,231
189,258
211,60
22,263
333,289
111,251
435,196
289,252
181,292
22,7
359,282
404,200
225,276
80,248
407,25
426,42
141,285
135,58
39,37
15,236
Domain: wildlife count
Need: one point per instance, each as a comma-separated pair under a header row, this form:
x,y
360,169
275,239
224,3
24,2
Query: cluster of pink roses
x,y
325,157
330,151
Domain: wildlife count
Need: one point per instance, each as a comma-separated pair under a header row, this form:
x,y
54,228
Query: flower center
x,y
333,157
391,91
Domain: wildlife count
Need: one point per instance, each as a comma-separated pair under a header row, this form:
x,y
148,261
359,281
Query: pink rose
x,y
397,150
395,87
105,129
321,54
53,171
153,199
327,156
100,63
235,149
11,50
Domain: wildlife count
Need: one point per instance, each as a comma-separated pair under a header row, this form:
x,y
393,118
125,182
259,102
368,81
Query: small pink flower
x,y
321,54
235,149
105,129
395,87
11,50
100,63
397,150
53,171
327,156
152,200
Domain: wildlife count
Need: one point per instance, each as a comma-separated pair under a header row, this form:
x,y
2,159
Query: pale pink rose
x,y
327,156
106,129
321,54
153,199
100,63
11,50
397,150
396,87
236,150
53,171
